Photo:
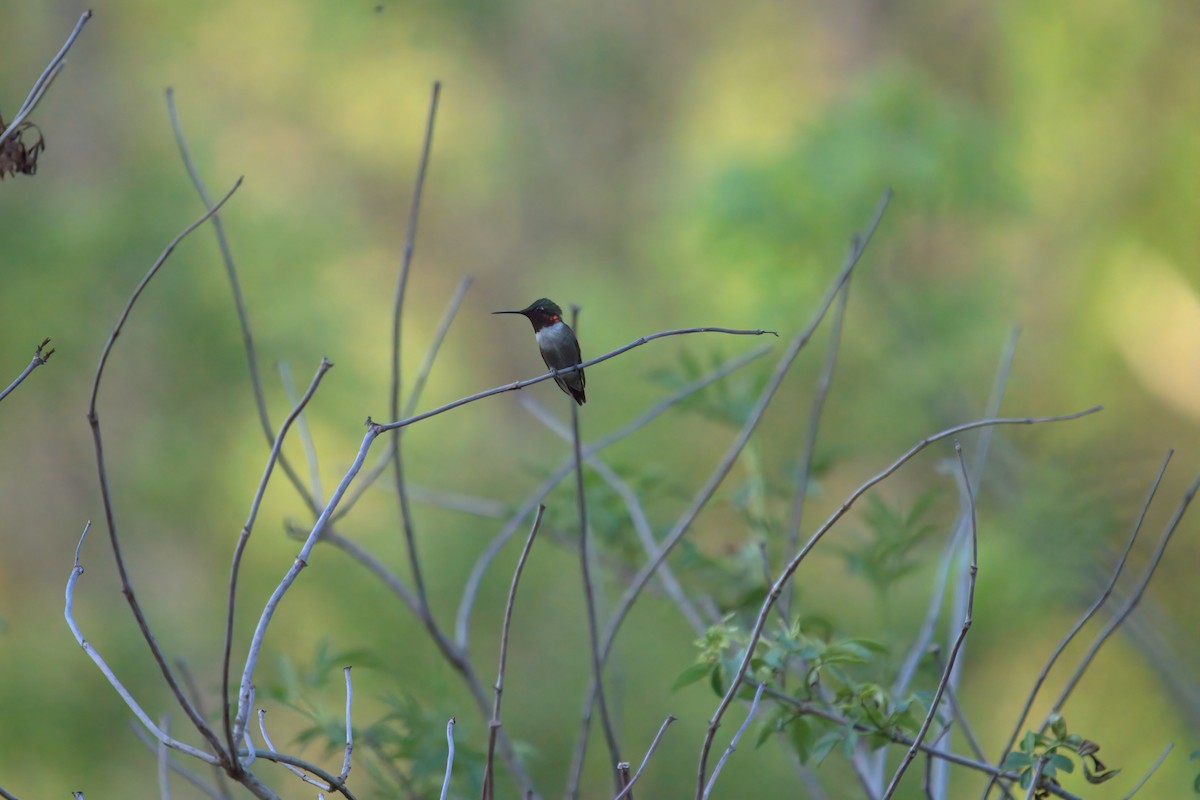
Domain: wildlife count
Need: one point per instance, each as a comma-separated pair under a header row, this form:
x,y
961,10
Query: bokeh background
x,y
661,164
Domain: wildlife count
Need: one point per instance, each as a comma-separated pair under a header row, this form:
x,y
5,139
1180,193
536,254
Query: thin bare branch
x,y
962,634
193,689
345,773
435,345
299,773
1129,605
804,470
938,777
45,79
385,459
98,660
957,715
449,757
589,598
920,645
1150,773
494,725
39,358
512,387
137,292
627,790
790,569
306,439
191,777
106,496
239,302
289,578
1086,616
164,773
410,533
733,742
287,759
240,549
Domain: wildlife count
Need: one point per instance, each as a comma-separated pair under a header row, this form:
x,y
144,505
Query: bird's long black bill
x,y
508,312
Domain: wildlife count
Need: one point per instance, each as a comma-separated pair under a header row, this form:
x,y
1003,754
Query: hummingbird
x,y
557,343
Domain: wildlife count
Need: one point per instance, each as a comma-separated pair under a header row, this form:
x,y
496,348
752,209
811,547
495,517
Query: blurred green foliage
x,y
663,165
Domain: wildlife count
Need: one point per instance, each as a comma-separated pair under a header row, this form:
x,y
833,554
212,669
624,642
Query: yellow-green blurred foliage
x,y
662,164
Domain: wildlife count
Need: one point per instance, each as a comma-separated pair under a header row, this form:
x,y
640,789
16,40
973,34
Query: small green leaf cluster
x,y
837,703
1049,753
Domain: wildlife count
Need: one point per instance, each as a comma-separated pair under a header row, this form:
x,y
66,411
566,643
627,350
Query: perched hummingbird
x,y
556,340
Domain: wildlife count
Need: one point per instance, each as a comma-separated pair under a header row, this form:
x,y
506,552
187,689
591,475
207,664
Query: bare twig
x,y
957,715
164,773
240,549
414,395
7,795
189,681
435,345
938,777
143,717
1035,781
306,439
1086,616
962,635
289,578
517,385
45,79
239,302
494,725
627,790
1150,773
299,773
920,645
39,358
410,533
109,515
321,773
449,757
790,569
733,742
589,597
1130,604
705,493
191,777
345,773
804,468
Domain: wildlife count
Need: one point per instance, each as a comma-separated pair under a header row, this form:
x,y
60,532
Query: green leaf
x,y
690,675
801,735
1062,762
1016,760
715,681
824,745
1058,726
